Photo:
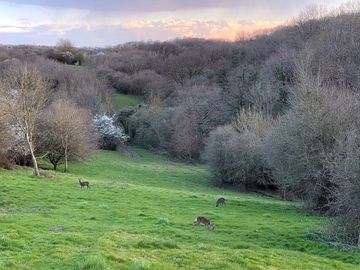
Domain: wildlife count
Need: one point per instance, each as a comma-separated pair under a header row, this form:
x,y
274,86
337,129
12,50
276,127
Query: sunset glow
x,y
110,22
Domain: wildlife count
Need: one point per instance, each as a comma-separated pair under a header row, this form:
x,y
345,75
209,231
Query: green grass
x,y
138,214
121,101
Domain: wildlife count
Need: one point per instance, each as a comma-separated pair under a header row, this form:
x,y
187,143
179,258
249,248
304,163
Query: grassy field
x,y
121,101
138,214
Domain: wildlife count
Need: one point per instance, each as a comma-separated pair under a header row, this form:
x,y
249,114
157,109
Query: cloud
x,y
226,30
135,5
165,5
109,22
14,29
104,34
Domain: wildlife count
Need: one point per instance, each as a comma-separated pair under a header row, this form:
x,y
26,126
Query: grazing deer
x,y
84,183
220,201
203,220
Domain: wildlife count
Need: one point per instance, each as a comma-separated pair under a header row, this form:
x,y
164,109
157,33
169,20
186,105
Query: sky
x,y
110,22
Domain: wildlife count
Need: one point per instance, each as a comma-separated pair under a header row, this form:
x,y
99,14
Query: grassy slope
x,y
122,221
121,101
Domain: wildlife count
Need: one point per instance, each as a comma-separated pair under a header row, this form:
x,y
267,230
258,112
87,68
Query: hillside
x,y
138,214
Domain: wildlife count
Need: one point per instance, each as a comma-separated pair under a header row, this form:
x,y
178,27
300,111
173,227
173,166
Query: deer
x,y
84,183
220,201
203,220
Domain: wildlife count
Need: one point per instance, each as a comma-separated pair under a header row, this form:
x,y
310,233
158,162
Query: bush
x,y
234,152
186,137
145,82
110,135
303,142
344,168
150,126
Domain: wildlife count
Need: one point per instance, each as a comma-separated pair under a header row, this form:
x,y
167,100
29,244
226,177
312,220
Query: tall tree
x,y
23,94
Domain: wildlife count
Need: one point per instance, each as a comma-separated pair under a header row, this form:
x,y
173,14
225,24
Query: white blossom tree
x,y
110,134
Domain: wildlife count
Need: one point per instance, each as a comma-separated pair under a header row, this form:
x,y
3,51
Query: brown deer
x,y
203,220
220,201
84,184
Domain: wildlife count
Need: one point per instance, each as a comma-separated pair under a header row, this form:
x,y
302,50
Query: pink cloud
x,y
226,30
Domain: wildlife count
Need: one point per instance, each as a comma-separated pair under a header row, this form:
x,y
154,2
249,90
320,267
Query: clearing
x,y
138,214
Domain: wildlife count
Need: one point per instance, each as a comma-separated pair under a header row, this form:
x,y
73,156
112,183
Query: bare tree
x,y
185,138
65,133
65,45
23,94
81,85
185,66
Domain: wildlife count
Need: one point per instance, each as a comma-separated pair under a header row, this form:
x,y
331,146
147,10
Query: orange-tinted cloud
x,y
225,30
110,22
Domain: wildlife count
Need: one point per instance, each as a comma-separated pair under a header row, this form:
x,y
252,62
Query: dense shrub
x,y
234,152
146,82
66,57
186,137
150,127
303,141
110,135
344,168
123,117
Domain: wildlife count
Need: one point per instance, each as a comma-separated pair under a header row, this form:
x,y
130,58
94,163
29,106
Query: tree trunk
x,y
54,162
35,164
36,168
66,160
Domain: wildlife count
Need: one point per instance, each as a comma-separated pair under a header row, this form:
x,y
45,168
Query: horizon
x,y
110,22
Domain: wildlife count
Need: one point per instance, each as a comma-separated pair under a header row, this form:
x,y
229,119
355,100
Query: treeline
x,y
278,111
53,109
193,86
